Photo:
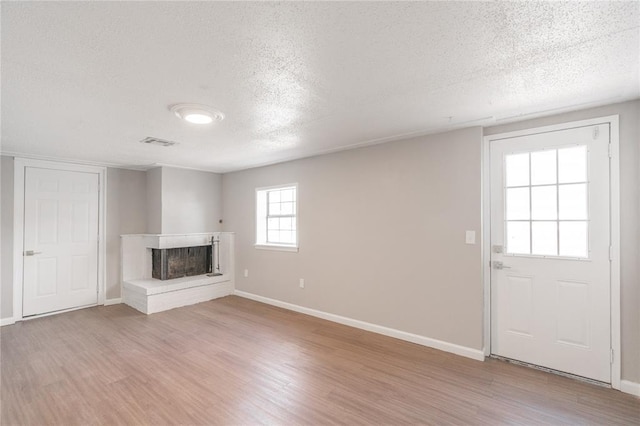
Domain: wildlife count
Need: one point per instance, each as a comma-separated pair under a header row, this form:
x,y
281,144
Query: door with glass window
x,y
550,238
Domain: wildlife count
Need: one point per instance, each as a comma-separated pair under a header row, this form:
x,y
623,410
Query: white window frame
x,y
262,215
557,220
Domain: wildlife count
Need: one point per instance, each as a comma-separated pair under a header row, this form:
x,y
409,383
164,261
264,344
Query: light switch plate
x,y
470,237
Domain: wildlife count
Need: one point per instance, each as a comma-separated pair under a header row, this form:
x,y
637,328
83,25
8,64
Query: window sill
x,y
276,247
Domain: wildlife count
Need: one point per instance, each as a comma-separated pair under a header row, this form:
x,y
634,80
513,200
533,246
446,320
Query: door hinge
x,y
596,132
611,360
610,253
610,154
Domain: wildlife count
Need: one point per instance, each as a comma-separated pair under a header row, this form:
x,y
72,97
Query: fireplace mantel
x,y
162,241
150,295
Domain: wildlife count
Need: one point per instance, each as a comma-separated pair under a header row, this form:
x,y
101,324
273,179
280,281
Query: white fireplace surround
x,y
150,295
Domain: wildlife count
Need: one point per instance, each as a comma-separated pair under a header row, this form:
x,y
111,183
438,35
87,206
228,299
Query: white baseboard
x,y
629,387
109,302
7,321
476,354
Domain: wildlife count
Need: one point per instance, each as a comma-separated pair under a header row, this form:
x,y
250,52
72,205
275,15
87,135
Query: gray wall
x,y
181,201
382,235
126,214
6,243
154,201
629,113
191,201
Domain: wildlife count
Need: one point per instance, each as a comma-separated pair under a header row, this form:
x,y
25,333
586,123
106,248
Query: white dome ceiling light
x,y
197,114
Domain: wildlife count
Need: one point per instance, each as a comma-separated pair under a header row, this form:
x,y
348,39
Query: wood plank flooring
x,y
235,361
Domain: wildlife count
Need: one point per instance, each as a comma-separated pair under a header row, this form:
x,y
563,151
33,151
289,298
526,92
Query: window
x,y
276,218
546,208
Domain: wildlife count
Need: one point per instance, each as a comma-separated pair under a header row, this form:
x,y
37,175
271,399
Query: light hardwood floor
x,y
235,361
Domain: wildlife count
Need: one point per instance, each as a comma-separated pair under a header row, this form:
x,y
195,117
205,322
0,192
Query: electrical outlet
x,y
246,273
301,282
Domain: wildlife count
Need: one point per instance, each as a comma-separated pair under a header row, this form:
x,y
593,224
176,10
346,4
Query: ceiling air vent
x,y
155,141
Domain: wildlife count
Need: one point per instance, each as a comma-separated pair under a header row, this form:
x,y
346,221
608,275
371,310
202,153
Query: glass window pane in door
x,y
573,202
518,238
544,238
572,164
543,167
517,169
573,239
518,204
544,203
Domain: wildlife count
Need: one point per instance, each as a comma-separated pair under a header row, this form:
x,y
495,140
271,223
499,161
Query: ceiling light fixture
x,y
196,114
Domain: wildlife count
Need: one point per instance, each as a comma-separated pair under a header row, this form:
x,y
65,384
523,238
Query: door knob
x,y
499,265
31,252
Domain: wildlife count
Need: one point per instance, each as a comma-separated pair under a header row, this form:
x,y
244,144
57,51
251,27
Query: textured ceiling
x,y
88,80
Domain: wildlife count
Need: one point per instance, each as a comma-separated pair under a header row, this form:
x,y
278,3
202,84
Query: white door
x,y
60,240
550,238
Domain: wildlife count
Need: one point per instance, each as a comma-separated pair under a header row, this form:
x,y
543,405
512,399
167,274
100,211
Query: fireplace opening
x,y
181,262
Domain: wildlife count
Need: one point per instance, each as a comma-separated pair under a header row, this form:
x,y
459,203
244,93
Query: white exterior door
x,y
60,240
550,243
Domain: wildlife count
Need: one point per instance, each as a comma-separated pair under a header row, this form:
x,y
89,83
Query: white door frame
x,y
614,209
20,165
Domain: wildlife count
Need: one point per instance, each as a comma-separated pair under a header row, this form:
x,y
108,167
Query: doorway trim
x,y
614,209
20,164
